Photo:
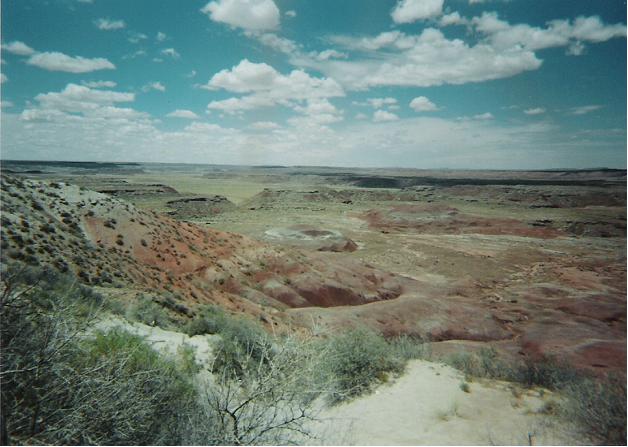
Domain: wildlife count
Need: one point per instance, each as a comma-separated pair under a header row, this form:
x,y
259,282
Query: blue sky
x,y
518,84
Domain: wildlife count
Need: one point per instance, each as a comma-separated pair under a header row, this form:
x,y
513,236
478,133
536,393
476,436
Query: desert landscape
x,y
519,268
293,222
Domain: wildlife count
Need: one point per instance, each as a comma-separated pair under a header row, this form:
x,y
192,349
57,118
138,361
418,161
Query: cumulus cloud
x,y
453,18
382,116
275,42
161,36
170,52
3,78
422,104
558,33
154,86
76,101
99,84
534,111
78,97
583,110
254,15
186,114
266,87
318,112
54,61
291,13
502,50
428,59
408,11
109,25
19,48
5,104
378,103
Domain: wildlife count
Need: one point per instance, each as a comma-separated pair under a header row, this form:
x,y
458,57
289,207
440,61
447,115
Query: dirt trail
x,y
426,406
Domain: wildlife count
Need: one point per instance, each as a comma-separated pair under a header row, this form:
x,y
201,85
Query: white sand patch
x,y
426,406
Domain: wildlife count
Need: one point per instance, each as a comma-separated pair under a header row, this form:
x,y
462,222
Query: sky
x,y
460,84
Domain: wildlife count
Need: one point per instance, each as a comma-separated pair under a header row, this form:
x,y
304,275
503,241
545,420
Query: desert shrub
x,y
270,404
407,347
186,357
484,363
208,320
147,311
598,407
547,372
60,387
243,346
359,358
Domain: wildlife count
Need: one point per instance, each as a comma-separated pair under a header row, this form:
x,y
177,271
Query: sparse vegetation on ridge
x,y
596,405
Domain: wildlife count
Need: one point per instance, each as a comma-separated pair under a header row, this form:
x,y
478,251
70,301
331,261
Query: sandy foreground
x,y
424,406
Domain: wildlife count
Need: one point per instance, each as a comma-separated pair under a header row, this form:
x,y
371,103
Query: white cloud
x,y
453,18
187,114
583,110
558,33
267,87
265,125
109,132
502,50
3,78
191,74
170,52
109,25
382,116
318,111
328,54
99,84
78,97
275,42
135,54
483,116
254,15
425,60
378,103
534,111
408,11
361,116
291,13
136,37
422,104
154,86
76,102
161,36
55,61
5,104
19,48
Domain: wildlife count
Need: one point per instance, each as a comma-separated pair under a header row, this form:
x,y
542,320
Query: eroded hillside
x,y
531,274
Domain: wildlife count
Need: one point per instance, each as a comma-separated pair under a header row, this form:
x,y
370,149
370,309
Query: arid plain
x,y
529,263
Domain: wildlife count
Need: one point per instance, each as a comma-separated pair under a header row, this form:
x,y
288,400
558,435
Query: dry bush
x,y
59,387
